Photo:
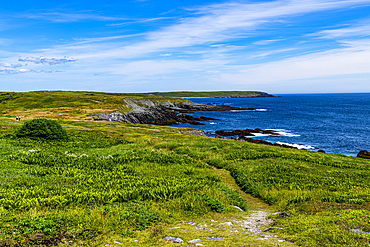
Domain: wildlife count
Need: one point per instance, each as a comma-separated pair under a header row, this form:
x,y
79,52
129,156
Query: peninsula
x,y
214,94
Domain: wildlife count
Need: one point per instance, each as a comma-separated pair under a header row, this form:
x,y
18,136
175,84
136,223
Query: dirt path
x,y
250,228
236,229
254,204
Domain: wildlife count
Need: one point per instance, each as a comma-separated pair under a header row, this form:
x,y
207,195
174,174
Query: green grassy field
x,y
133,184
209,94
74,105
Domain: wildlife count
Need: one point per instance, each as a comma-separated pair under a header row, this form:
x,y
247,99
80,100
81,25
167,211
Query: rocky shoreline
x,y
241,136
166,113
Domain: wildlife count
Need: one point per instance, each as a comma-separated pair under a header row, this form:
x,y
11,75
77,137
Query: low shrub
x,y
42,129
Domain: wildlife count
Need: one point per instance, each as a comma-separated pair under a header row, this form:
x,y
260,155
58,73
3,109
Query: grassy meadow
x,y
209,94
115,184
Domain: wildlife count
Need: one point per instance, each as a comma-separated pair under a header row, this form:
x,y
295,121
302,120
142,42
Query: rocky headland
x,y
168,113
163,113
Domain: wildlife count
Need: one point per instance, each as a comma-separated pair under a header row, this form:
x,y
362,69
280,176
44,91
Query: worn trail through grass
x,y
243,228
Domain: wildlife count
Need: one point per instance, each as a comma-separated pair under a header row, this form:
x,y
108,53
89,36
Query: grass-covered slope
x,y
77,105
125,182
213,94
108,180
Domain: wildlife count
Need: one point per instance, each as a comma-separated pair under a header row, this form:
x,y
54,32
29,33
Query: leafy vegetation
x,y
112,181
67,105
103,180
42,129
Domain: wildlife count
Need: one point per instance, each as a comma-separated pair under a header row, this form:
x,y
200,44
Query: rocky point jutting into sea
x,y
164,113
168,113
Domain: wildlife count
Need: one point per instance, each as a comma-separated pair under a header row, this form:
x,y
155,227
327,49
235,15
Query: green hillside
x,y
115,184
212,94
77,105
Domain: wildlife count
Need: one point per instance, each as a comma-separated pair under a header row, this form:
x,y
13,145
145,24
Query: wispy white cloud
x,y
266,42
147,68
359,30
271,52
4,42
202,45
44,60
133,21
22,71
219,23
11,65
345,61
68,16
80,41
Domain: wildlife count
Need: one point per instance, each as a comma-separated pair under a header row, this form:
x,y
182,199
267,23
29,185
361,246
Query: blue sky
x,y
283,46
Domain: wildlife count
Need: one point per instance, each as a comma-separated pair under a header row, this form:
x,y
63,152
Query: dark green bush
x,y
213,203
42,129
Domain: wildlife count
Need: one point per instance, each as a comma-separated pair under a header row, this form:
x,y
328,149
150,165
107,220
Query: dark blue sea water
x,y
335,123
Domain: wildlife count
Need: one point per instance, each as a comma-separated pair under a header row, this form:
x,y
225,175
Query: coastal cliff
x,y
162,113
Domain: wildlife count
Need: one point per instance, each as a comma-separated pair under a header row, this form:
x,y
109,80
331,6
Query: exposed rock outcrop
x,y
208,107
163,113
364,154
246,132
158,115
265,142
242,136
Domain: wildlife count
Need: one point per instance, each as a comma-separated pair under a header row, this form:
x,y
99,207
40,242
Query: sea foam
x,y
299,146
284,132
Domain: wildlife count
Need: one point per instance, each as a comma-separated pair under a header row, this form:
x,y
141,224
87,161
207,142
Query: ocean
x,y
335,123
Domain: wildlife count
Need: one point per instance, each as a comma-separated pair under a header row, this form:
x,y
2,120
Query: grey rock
x,y
359,231
284,214
227,223
201,226
214,238
173,239
364,154
197,240
164,113
238,208
271,228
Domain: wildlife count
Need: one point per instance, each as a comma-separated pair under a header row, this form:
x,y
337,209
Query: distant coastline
x,y
213,94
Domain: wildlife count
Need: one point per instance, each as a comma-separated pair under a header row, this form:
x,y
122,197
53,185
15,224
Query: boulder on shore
x,y
364,154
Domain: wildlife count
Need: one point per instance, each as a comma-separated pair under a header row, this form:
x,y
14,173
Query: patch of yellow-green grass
x,y
335,227
68,104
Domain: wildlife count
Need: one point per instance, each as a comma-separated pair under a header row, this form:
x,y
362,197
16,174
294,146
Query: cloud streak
x,y
11,65
68,16
218,23
44,60
352,60
22,71
360,30
235,43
